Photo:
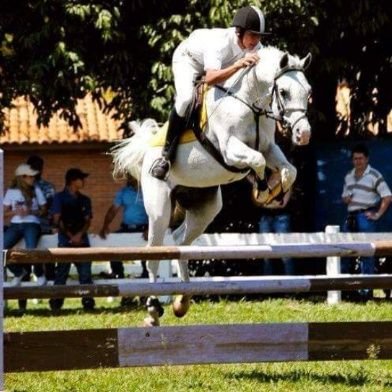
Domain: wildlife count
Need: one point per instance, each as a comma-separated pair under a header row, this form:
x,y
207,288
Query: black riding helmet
x,y
249,18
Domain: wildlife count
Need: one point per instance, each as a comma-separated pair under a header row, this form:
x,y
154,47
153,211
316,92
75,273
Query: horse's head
x,y
290,96
287,91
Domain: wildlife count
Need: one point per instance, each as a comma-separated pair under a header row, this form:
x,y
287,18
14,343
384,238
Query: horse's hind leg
x,y
197,218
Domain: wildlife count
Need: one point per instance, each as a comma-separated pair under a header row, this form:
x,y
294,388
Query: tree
x,y
54,52
354,42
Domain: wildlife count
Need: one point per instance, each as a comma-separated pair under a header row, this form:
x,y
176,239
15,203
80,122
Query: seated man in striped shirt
x,y
367,197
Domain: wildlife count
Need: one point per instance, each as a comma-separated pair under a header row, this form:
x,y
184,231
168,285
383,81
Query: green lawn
x,y
304,377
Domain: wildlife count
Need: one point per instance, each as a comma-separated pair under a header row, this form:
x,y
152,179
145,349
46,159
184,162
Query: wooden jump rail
x,y
204,286
299,250
202,344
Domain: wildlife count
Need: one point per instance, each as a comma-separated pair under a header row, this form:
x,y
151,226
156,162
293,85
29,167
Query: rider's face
x,y
250,40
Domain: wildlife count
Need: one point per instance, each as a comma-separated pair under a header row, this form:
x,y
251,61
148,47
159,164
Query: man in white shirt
x,y
218,54
367,197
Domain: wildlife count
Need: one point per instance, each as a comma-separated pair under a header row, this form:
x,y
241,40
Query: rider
x,y
217,53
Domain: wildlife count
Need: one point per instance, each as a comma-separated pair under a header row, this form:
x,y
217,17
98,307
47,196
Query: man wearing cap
x,y
72,216
218,54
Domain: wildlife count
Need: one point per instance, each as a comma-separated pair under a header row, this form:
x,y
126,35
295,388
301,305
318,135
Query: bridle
x,y
259,111
283,110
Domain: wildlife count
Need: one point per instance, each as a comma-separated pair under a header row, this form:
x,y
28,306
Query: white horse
x,y
241,125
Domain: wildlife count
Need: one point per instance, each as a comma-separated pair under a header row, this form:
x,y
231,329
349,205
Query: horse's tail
x,y
128,154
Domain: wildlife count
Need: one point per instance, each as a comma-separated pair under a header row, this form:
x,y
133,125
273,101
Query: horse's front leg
x,y
281,180
238,154
277,160
158,207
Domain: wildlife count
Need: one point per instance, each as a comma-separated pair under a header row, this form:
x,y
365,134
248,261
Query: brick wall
x,y
99,186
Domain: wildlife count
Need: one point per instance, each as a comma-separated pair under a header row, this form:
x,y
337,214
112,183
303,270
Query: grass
x,y
295,376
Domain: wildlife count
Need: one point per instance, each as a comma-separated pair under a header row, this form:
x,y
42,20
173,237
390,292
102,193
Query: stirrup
x,y
160,168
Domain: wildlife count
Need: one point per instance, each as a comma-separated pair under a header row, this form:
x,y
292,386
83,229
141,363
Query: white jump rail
x,y
298,250
311,245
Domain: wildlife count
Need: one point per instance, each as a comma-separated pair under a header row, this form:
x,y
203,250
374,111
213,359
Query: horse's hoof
x,y
260,198
151,322
154,307
181,305
276,194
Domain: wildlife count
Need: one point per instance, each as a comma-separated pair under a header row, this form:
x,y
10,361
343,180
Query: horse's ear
x,y
305,62
284,61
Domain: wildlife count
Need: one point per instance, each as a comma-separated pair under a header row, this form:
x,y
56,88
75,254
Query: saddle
x,y
197,115
196,118
196,126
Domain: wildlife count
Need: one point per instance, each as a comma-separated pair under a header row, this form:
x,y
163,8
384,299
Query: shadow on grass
x,y
353,379
14,312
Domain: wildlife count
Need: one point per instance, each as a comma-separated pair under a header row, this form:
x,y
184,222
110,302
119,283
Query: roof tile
x,y
21,125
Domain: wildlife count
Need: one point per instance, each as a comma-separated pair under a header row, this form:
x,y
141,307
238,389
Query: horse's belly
x,y
195,167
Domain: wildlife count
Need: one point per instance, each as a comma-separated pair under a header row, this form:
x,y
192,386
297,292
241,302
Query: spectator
x,y
134,219
367,197
48,189
277,219
72,215
24,203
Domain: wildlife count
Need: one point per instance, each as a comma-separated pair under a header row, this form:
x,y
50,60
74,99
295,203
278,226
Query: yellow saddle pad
x,y
158,140
187,136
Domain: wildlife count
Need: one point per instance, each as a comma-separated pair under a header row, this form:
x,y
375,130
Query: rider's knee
x,y
182,105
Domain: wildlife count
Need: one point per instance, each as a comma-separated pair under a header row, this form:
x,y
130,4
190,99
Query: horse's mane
x,y
270,57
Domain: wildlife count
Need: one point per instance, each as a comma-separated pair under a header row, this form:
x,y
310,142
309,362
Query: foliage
x,y
54,52
354,37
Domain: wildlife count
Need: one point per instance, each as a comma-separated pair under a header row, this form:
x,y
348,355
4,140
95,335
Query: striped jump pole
x,y
198,344
299,250
205,286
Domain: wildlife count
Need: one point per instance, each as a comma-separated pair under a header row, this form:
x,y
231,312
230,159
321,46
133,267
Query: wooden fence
x,y
197,344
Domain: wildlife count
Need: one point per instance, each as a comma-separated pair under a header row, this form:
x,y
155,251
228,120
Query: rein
x,y
258,112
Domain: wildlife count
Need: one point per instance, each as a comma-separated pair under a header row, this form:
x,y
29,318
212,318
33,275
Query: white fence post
x,y
1,273
333,269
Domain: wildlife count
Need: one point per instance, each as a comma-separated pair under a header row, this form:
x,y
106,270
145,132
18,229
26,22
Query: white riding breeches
x,y
185,71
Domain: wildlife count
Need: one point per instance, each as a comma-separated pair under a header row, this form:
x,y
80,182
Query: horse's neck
x,y
252,84
243,84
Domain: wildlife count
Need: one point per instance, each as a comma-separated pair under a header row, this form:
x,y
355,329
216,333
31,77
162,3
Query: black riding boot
x,y
160,168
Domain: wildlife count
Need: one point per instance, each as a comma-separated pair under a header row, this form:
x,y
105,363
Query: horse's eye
x,y
283,93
